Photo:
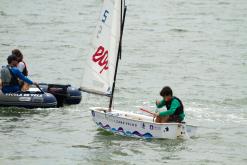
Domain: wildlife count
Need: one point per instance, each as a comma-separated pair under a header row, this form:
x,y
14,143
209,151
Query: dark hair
x,y
166,91
18,54
11,58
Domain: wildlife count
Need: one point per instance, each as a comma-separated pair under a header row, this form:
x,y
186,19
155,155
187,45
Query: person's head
x,y
12,60
18,54
166,93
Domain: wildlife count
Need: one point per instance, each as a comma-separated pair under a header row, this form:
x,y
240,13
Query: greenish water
x,y
198,48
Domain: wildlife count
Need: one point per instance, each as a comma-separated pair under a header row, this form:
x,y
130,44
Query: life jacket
x,y
25,72
8,77
179,110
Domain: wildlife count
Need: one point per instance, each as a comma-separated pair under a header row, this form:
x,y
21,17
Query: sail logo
x,y
101,57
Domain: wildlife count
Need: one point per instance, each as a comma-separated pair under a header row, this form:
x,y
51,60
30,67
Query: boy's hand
x,y
156,114
157,102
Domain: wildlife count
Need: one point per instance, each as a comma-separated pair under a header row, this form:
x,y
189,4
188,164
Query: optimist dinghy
x,y
138,125
100,77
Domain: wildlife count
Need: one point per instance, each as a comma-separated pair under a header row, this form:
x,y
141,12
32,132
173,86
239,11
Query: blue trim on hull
x,y
121,131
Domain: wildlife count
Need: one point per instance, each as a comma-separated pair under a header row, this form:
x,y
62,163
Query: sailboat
x,y
100,77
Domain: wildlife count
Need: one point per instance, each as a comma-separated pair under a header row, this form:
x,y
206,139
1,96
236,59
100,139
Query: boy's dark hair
x,y
11,58
166,91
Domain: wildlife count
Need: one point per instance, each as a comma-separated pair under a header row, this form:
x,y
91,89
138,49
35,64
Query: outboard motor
x,y
65,94
59,91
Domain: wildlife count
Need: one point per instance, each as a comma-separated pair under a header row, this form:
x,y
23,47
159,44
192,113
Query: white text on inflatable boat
x,y
23,95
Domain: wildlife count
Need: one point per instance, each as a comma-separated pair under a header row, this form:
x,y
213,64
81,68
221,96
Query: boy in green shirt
x,y
175,109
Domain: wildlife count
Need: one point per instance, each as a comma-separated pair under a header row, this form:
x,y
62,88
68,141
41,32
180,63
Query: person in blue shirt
x,y
10,75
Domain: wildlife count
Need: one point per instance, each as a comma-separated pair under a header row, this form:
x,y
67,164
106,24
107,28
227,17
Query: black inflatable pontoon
x,y
48,96
65,94
29,99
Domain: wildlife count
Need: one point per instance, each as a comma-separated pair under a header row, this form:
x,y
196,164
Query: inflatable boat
x,y
33,98
42,96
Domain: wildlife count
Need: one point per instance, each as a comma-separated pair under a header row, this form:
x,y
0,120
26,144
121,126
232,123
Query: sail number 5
x,y
101,57
103,20
105,16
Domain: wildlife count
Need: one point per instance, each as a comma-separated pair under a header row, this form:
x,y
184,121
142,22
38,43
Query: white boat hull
x,y
140,126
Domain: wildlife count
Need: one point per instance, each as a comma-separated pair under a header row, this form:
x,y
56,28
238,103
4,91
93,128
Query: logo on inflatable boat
x,y
101,57
24,98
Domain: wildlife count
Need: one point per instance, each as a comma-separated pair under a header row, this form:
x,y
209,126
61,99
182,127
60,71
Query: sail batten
x,y
103,53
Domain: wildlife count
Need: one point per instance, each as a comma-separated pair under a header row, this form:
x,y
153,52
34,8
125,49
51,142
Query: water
x,y
198,48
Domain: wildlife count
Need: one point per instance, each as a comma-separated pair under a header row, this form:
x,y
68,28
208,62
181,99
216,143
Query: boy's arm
x,y
160,104
18,73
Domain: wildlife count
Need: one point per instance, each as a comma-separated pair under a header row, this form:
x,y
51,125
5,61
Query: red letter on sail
x,y
101,57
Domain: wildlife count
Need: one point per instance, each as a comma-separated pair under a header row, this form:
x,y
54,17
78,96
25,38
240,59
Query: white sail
x,y
101,61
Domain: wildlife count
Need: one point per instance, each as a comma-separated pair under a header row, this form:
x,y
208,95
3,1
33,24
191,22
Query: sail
x,y
103,53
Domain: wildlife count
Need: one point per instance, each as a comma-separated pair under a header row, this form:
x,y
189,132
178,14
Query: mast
x,y
122,19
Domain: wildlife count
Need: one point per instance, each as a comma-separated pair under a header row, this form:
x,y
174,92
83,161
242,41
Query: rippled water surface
x,y
199,48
